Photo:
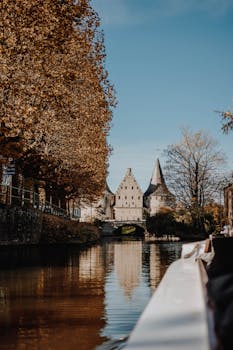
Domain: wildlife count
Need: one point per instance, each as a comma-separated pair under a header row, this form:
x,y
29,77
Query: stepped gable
x,y
128,199
128,178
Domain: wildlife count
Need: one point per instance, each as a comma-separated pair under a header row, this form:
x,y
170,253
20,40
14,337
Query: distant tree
x,y
55,98
162,223
192,171
165,223
227,121
214,216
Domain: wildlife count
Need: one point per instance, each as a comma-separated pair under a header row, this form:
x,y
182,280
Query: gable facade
x,y
129,203
128,199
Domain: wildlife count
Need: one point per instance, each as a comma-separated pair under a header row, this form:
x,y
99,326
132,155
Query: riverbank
x,y
60,230
29,226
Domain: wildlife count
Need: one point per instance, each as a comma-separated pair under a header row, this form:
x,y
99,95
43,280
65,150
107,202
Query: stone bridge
x,y
110,226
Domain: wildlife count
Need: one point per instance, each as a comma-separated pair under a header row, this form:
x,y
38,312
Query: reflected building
x,y
108,255
155,266
128,265
71,299
91,264
161,256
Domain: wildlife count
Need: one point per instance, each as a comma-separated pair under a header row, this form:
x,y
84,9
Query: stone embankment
x,y
30,226
60,230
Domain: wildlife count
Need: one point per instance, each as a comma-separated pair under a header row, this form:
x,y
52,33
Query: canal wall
x,y
29,226
60,230
20,226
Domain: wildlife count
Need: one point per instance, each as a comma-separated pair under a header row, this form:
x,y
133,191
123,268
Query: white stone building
x,y
157,196
101,209
128,199
129,203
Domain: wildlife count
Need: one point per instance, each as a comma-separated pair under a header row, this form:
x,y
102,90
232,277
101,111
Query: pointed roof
x,y
157,180
128,172
157,176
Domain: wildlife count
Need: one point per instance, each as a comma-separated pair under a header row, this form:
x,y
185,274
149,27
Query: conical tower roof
x,y
157,180
157,177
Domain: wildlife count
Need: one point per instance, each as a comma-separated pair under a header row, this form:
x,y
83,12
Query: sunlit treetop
x,y
56,100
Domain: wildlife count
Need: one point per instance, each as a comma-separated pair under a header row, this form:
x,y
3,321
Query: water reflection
x,y
128,265
136,270
161,256
56,305
126,289
66,298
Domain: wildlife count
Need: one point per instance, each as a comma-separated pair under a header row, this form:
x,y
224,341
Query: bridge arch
x,y
124,227
129,229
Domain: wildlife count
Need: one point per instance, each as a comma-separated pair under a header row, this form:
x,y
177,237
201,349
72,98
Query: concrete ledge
x,y
175,318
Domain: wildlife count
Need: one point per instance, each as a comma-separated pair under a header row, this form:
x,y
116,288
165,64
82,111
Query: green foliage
x,y
165,224
161,224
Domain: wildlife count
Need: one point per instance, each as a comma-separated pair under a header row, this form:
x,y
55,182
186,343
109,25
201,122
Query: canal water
x,y
58,298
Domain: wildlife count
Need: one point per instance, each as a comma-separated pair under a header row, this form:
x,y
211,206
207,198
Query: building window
x,y
119,197
125,197
132,187
126,187
139,197
132,197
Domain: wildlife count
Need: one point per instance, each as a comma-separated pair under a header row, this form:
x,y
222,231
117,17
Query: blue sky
x,y
171,62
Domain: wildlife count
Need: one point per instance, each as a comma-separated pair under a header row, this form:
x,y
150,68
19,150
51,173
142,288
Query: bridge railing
x,y
10,195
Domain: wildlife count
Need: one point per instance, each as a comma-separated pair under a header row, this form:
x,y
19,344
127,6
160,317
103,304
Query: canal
x,y
64,297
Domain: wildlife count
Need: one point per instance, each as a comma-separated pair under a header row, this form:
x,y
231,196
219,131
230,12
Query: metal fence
x,y
10,195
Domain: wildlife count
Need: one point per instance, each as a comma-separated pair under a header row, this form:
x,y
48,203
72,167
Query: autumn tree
x,y
56,100
192,170
227,121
